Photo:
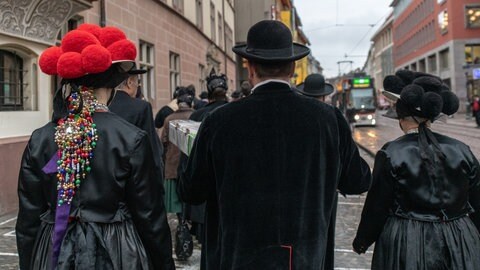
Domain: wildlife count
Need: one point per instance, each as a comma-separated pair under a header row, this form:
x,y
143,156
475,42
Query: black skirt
x,y
411,244
92,246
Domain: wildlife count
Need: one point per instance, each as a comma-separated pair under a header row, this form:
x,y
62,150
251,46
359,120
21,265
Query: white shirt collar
x,y
269,81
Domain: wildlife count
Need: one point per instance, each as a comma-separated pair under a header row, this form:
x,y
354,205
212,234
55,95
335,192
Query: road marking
x,y
7,221
350,203
347,250
8,254
10,234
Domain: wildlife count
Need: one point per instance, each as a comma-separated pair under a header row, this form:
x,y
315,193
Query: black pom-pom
x,y
418,74
393,84
406,75
450,102
412,95
432,105
429,84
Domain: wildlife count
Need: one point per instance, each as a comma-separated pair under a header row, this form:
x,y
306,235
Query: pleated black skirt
x,y
411,244
92,246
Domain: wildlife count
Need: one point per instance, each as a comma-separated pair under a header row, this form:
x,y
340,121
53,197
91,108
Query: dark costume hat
x,y
269,42
419,94
315,86
215,81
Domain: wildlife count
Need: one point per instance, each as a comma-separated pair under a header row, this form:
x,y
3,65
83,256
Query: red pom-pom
x,y
76,41
49,59
69,65
90,28
110,35
123,50
96,59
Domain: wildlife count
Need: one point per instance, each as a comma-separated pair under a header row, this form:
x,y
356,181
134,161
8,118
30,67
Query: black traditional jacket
x,y
268,166
122,185
405,187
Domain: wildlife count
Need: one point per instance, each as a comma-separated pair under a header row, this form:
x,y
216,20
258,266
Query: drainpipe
x,y
103,21
224,38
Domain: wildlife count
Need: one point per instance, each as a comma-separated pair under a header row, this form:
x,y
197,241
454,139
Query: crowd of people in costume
x,y
261,184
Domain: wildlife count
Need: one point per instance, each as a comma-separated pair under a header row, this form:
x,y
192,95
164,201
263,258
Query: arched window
x,y
11,81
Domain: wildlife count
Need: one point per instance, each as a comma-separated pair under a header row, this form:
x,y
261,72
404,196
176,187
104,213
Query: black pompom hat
x,y
419,94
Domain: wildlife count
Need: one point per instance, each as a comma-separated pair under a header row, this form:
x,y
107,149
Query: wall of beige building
x,y
170,31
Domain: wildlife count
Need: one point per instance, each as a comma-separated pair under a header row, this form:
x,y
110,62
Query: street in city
x,y
370,140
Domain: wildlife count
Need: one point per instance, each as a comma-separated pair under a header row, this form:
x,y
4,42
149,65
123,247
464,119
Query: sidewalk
x,y
459,119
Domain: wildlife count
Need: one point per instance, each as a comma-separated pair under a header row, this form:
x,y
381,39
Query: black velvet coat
x,y
118,214
139,113
421,217
269,166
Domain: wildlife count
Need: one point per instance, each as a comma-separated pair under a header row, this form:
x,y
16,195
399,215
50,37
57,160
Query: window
x,y
443,21
472,15
444,59
228,40
178,5
71,24
220,30
472,54
17,81
202,84
212,22
147,62
421,65
174,72
432,63
199,14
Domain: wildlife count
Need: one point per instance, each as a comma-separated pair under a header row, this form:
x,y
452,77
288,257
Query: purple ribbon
x,y
61,216
51,166
59,230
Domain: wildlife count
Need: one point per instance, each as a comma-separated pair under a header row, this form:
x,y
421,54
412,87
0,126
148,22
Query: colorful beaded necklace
x,y
76,137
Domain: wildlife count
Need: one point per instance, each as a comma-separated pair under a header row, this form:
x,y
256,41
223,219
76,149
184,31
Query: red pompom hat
x,y
89,50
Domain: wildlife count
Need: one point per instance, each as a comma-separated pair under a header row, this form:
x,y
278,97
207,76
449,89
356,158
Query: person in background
x,y
476,109
138,112
422,210
315,87
88,198
204,96
236,95
172,152
246,88
166,110
269,196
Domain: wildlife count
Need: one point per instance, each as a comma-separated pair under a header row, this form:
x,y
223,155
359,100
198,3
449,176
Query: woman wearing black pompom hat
x,y
422,208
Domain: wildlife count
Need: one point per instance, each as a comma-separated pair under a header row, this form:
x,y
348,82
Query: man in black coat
x,y
137,112
269,165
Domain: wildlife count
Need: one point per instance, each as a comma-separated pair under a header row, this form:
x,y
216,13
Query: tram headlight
x,y
374,122
356,117
369,117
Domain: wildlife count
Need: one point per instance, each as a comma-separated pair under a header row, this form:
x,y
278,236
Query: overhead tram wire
x,y
371,27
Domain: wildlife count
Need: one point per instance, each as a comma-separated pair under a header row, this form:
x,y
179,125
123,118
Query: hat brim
x,y
327,90
299,51
390,95
137,71
125,65
391,113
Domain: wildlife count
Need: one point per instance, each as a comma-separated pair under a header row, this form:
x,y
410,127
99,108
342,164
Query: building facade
x,y
441,37
178,43
249,12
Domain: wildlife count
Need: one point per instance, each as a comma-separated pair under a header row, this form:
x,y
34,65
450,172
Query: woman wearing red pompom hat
x,y
88,195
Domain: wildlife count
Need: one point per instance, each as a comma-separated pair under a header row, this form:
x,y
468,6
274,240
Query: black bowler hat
x,y
315,86
269,42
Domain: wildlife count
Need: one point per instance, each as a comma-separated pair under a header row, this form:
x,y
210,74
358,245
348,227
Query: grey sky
x,y
330,43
